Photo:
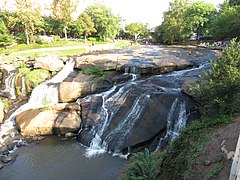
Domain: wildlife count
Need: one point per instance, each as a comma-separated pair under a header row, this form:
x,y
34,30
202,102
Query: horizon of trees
x,y
185,18
26,22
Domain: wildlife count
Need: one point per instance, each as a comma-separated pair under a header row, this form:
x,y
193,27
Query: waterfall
x,y
124,128
174,124
44,94
111,103
10,85
23,90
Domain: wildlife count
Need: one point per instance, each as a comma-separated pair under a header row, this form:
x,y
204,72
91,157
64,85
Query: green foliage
x,y
28,16
198,17
100,79
35,77
6,103
137,29
4,36
62,11
234,2
220,91
182,153
92,71
226,24
85,25
215,171
144,166
172,28
105,23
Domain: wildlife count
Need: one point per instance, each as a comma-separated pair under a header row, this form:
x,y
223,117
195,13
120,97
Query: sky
x,y
144,11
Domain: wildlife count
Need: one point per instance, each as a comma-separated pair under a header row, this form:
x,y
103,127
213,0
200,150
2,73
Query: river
x,y
55,159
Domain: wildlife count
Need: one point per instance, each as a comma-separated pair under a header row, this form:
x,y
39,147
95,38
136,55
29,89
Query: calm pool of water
x,y
54,159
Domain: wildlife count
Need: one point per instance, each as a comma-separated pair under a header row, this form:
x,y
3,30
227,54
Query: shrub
x,y
4,36
220,90
92,71
21,38
35,77
144,166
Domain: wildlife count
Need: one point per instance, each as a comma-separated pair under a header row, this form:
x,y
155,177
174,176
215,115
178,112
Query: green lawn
x,y
17,51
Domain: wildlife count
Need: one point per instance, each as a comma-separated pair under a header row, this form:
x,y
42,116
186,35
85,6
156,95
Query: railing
x,y
235,169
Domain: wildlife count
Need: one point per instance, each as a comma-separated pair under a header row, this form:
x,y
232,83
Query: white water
x,y
44,94
124,128
10,85
174,126
111,103
23,90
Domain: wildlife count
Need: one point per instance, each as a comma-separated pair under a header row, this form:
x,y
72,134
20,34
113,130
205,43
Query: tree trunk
x,y
85,37
26,34
65,32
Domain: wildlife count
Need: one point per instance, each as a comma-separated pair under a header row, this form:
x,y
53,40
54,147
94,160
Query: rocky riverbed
x,y
111,110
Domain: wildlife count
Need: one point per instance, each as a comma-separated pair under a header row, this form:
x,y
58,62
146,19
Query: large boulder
x,y
128,116
50,63
47,121
81,85
188,86
103,61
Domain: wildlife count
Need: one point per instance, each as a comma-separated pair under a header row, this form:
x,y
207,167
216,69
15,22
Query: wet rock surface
x,y
138,111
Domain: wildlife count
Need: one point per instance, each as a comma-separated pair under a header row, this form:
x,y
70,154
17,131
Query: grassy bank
x,y
179,158
19,50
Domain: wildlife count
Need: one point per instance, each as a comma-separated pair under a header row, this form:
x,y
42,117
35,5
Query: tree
x,y
234,2
220,90
137,29
173,23
51,26
4,36
62,11
198,16
105,23
28,16
85,25
226,24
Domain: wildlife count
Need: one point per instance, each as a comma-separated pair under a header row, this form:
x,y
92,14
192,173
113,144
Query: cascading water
x,y
123,128
23,90
174,124
111,102
44,94
10,85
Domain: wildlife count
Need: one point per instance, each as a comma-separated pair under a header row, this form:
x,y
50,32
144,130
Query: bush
x,y
144,166
56,38
21,38
220,90
92,71
4,36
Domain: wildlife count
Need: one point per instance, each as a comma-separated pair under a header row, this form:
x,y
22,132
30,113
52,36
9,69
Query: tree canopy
x,y
105,22
29,17
172,28
226,24
85,25
62,11
137,29
198,16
